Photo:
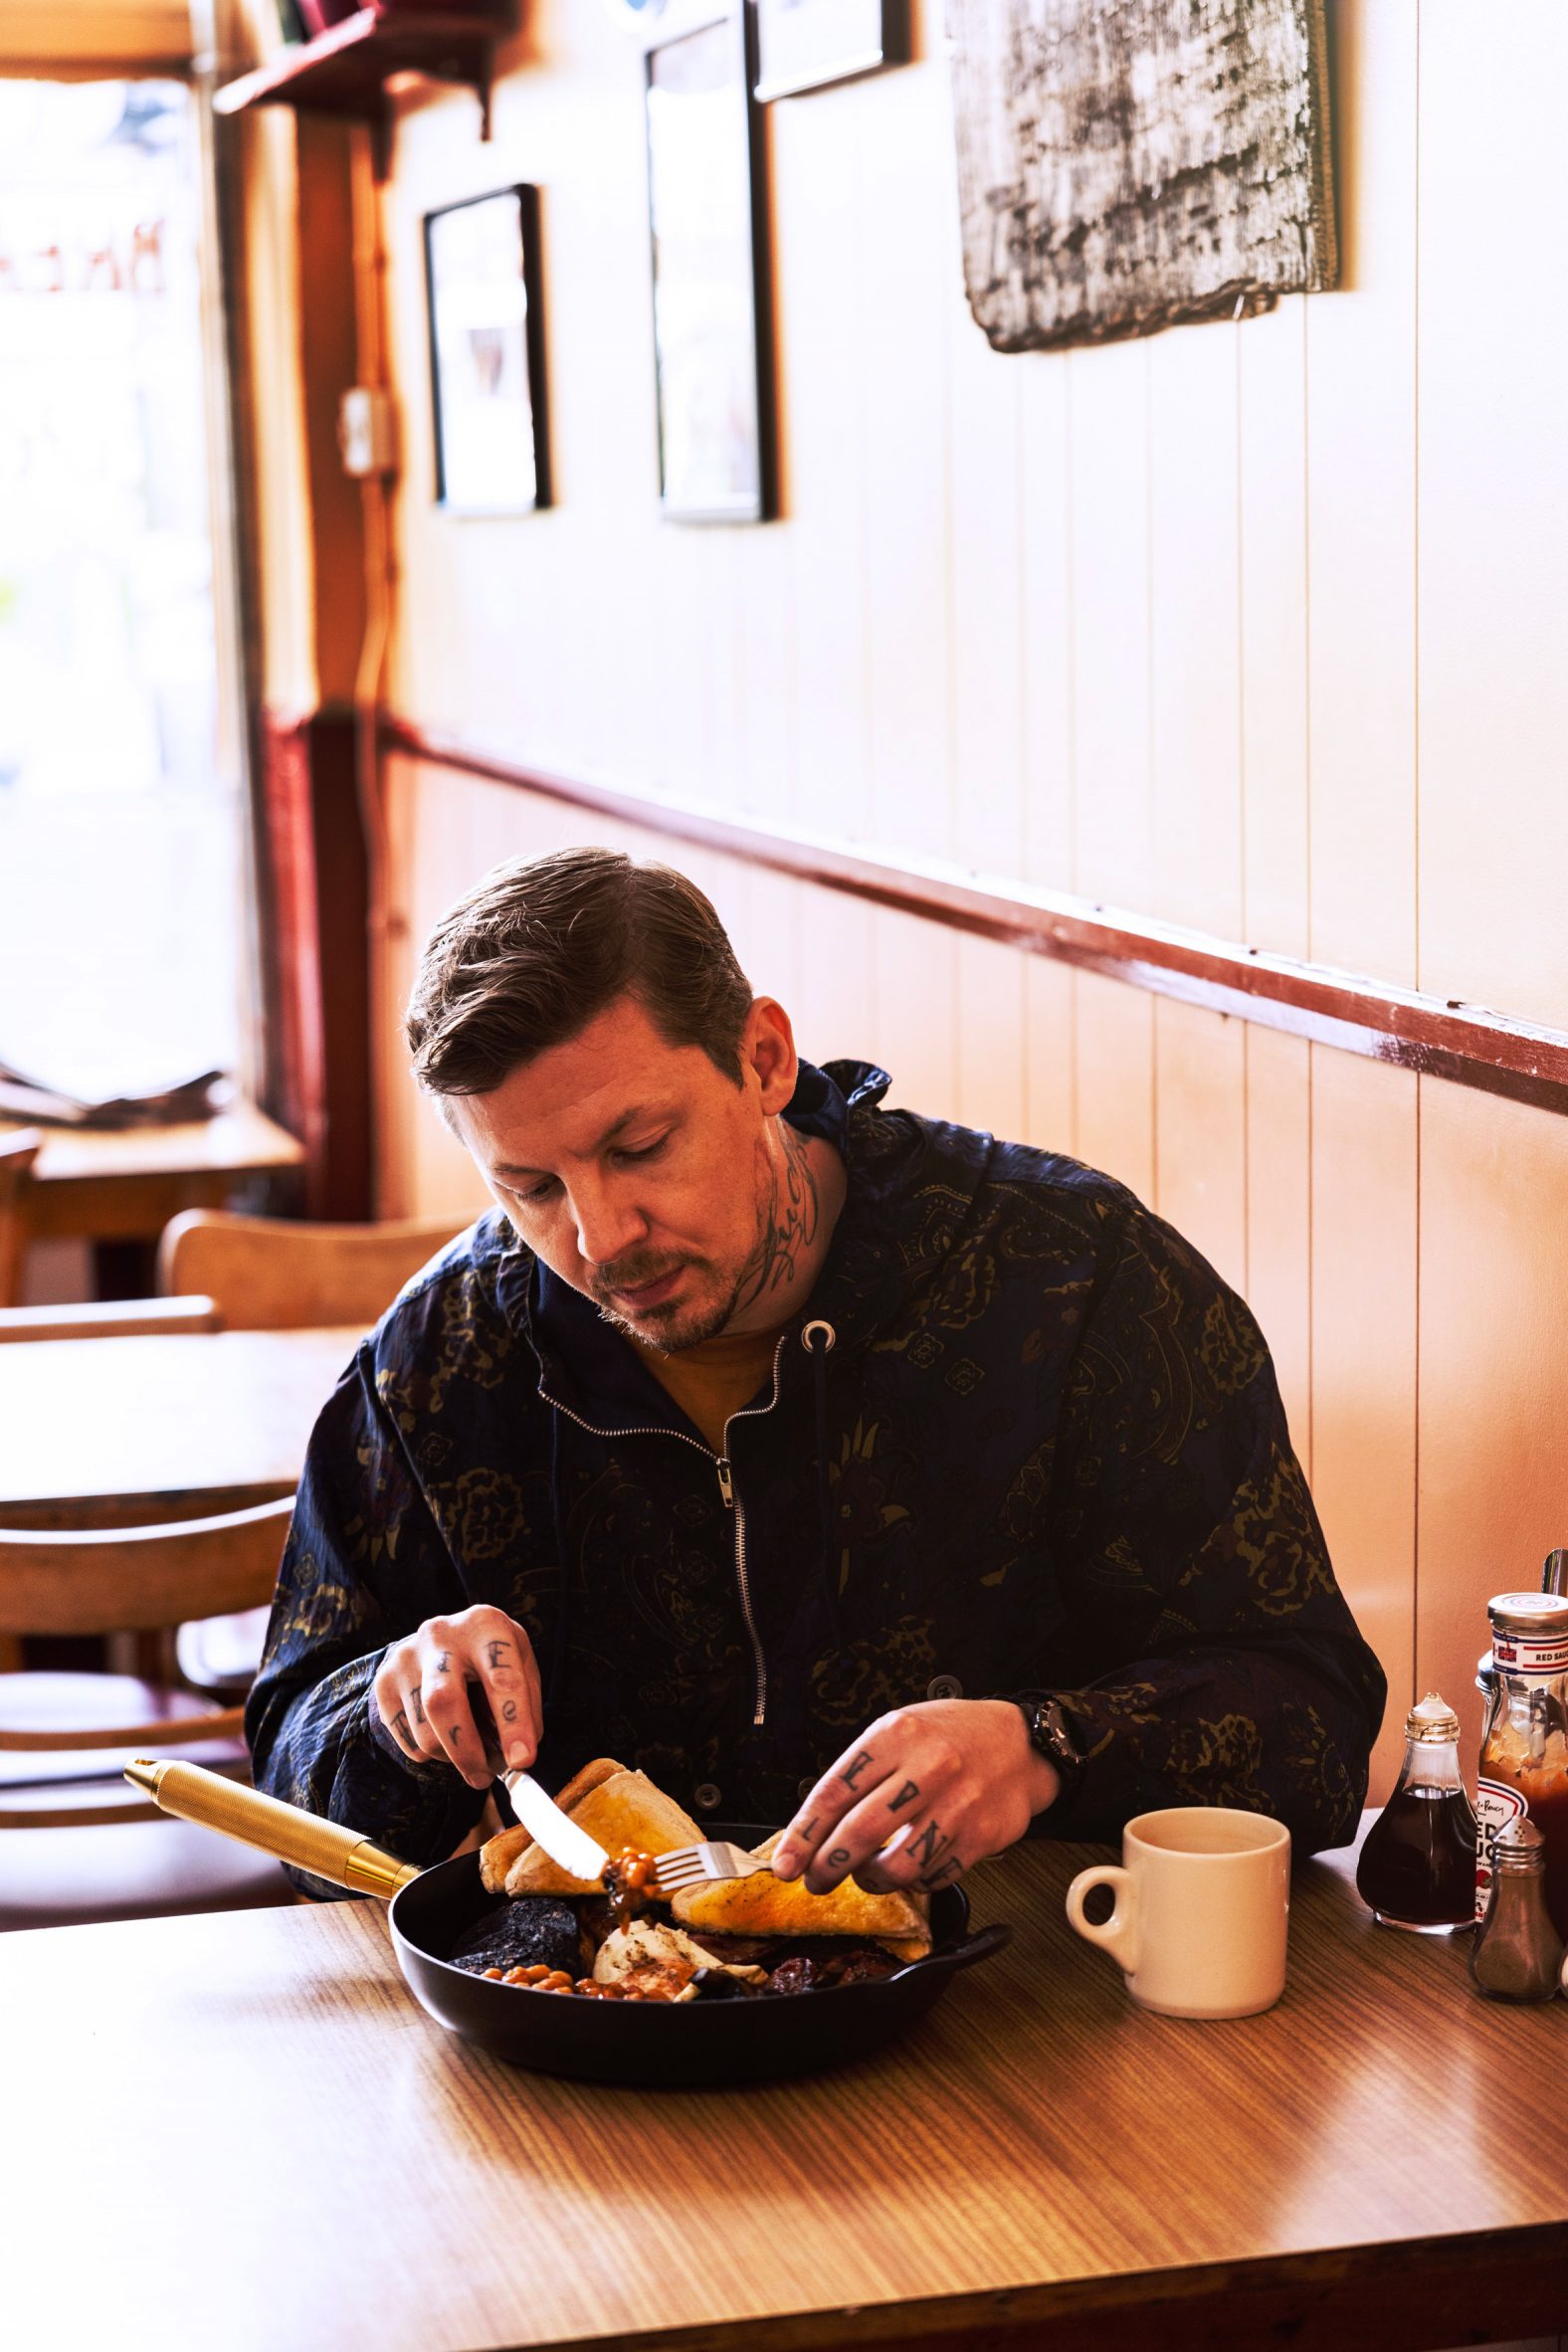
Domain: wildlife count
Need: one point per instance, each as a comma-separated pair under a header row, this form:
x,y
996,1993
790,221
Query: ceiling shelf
x,y
344,71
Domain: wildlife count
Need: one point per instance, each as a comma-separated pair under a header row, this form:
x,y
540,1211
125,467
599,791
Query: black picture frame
x,y
488,399
808,44
711,282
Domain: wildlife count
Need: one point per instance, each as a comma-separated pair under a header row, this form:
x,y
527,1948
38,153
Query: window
x,y
120,825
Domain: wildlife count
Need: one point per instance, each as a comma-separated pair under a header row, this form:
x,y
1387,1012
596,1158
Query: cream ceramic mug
x,y
1203,1900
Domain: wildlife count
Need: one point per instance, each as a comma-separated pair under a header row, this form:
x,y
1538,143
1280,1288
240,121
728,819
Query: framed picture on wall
x,y
486,354
712,349
802,44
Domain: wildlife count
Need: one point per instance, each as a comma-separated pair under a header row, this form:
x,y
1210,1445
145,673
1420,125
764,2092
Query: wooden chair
x,y
269,1273
19,1148
109,1319
93,1848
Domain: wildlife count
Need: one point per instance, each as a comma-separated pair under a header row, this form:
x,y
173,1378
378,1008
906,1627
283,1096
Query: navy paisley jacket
x,y
1056,1460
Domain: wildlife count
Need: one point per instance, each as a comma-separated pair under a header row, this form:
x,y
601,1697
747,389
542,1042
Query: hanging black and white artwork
x,y
706,191
805,44
487,353
1127,164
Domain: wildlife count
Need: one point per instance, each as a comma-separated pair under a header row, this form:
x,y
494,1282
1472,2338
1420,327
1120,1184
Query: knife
x,y
537,1811
554,1830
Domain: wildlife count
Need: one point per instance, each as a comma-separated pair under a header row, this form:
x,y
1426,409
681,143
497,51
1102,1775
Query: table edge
x,y
1386,2294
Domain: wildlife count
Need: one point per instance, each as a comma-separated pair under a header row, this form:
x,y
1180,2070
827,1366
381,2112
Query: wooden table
x,y
125,1185
248,2115
123,1432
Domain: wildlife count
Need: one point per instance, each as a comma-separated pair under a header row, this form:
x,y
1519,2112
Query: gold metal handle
x,y
323,1848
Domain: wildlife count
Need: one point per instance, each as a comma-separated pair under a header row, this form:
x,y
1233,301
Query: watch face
x,y
1053,1735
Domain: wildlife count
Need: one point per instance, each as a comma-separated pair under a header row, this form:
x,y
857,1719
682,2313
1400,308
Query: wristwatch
x,y
1050,1734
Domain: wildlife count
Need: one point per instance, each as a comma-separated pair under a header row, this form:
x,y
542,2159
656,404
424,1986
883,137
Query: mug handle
x,y
1118,1933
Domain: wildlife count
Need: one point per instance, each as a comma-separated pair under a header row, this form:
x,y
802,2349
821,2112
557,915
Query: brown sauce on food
x,y
862,1964
630,1884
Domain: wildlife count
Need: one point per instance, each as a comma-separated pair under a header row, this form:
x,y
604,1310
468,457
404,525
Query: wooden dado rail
x,y
1443,1038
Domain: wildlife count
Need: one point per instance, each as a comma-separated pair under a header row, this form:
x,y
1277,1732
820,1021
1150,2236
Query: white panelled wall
x,y
1255,627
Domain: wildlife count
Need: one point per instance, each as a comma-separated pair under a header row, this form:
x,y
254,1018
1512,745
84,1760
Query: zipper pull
x,y
726,1485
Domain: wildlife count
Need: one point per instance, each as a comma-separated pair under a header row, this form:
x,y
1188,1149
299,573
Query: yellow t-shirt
x,y
715,1378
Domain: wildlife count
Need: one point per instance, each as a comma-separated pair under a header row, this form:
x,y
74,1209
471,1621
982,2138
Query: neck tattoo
x,y
790,1222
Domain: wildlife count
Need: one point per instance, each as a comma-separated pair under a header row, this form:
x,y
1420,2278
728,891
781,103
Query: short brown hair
x,y
541,948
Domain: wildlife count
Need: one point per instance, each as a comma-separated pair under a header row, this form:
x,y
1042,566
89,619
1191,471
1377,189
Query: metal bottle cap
x,y
1433,1723
1528,1613
1519,1846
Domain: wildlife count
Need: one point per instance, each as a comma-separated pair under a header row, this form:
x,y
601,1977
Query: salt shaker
x,y
1517,1954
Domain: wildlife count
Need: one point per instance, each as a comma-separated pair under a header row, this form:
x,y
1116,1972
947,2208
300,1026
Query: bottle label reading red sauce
x,y
1498,1802
1544,1653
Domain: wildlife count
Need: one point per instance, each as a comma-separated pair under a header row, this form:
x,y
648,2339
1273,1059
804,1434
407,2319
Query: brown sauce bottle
x,y
1416,1868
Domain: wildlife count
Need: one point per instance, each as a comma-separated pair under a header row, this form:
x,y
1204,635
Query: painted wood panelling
x,y
1255,627
1364,1396
1361,526
1493,558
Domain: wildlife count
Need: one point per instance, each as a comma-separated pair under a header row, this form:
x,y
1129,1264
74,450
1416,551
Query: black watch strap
x,y
1051,1732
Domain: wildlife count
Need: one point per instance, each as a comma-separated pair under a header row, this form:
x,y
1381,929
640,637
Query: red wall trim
x,y
313,886
1442,1038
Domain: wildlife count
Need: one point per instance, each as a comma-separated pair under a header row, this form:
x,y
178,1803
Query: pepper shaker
x,y
1517,1954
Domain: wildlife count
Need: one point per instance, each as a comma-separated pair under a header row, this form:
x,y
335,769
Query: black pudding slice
x,y
533,1930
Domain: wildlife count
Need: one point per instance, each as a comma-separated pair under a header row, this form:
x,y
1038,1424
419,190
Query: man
x,y
837,1466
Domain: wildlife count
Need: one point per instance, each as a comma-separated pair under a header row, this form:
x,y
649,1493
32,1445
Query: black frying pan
x,y
675,2045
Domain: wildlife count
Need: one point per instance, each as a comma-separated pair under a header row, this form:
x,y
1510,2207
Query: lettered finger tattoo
x,y
929,1844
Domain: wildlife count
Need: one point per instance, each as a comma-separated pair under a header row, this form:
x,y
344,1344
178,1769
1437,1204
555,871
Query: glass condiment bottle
x,y
1524,1737
1517,1953
1416,1868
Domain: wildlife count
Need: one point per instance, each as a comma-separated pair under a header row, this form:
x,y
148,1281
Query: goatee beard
x,y
705,1323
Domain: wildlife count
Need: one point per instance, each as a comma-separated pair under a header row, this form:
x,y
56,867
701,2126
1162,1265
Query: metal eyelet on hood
x,y
818,1324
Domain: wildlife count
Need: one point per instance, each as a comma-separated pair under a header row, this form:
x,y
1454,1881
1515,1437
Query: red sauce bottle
x,y
1416,1868
1524,1740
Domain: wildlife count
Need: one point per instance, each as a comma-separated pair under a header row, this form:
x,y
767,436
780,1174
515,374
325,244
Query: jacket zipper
x,y
732,1503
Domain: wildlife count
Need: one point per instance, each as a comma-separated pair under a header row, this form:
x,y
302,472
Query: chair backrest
x,y
269,1274
19,1148
138,1579
109,1319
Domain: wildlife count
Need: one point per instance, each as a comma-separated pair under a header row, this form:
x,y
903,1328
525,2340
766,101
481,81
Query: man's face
x,y
636,1170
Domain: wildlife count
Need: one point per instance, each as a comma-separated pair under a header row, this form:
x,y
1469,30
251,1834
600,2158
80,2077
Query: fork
x,y
699,1866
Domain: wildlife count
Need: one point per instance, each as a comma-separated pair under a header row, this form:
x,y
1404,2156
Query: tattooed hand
x,y
927,1791
422,1693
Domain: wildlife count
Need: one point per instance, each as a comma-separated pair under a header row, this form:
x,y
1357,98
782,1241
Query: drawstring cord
x,y
818,1353
564,1617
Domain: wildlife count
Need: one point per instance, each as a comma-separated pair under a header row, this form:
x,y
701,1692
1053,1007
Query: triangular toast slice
x,y
499,1854
765,1906
626,1809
